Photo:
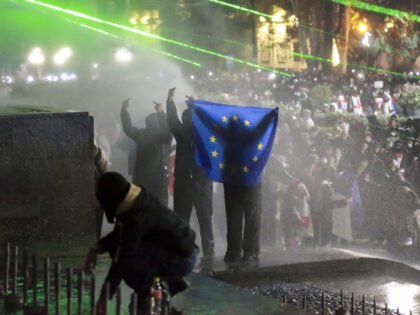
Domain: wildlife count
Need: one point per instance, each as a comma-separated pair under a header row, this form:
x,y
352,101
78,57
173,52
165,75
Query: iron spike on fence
x,y
47,283
35,278
134,304
80,290
118,302
341,299
15,269
386,309
25,277
323,303
398,311
69,287
92,294
374,305
352,304
304,300
6,268
57,286
107,291
284,297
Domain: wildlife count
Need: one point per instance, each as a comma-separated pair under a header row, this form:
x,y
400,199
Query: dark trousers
x,y
243,204
150,261
189,193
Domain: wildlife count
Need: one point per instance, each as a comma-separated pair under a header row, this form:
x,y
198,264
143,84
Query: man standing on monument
x,y
153,151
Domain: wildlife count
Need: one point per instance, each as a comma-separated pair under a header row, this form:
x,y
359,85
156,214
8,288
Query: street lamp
x,y
62,56
363,27
36,57
123,55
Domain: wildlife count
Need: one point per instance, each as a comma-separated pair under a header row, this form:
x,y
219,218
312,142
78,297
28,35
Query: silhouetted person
x,y
148,241
153,150
191,186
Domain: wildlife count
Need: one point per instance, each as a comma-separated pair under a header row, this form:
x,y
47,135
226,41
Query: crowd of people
x,y
355,180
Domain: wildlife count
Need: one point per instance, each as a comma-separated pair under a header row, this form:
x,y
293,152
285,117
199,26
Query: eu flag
x,y
233,143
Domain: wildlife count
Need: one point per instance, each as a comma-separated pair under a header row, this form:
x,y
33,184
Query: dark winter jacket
x,y
153,148
142,219
185,167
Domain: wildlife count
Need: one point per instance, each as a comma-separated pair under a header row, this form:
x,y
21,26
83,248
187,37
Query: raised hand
x,y
125,103
158,107
171,92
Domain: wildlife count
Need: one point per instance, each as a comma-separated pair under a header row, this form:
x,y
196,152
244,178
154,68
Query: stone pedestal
x,y
46,175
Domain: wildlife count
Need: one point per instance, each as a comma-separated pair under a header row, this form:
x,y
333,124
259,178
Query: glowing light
x,y
335,54
264,29
146,34
155,50
262,19
62,55
72,76
277,18
59,59
64,76
30,79
362,27
402,296
378,9
366,39
123,55
210,73
36,57
389,25
192,77
133,20
272,76
66,52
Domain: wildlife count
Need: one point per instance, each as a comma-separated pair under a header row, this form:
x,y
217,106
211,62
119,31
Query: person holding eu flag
x,y
233,145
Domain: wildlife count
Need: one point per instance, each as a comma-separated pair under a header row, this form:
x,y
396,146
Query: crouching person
x,y
148,241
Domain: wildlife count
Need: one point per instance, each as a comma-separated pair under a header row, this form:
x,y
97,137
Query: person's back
x,y
148,240
152,152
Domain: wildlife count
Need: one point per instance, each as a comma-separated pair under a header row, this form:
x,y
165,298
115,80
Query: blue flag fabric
x,y
233,143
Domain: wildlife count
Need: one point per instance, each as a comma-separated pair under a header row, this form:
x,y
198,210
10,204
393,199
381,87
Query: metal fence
x,y
47,289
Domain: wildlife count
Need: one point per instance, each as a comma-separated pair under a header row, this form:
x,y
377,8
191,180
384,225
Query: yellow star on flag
x,y
224,118
255,159
245,169
214,153
221,165
212,139
260,146
247,123
235,118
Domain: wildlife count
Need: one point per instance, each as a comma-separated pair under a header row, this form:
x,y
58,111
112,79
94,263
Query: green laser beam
x,y
153,49
240,8
357,66
378,9
154,36
330,61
